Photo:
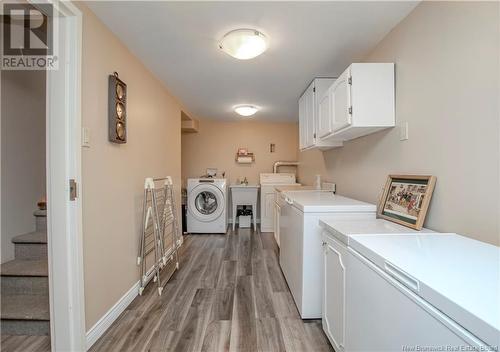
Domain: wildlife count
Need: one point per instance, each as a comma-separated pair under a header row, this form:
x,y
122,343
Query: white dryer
x,y
207,205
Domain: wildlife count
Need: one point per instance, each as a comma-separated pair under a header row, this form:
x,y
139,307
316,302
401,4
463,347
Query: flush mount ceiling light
x,y
246,110
244,44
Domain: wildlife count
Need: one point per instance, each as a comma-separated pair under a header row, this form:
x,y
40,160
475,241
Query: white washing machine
x,y
207,205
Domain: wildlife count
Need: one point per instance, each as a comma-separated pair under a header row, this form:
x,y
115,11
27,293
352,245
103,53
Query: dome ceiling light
x,y
246,110
244,44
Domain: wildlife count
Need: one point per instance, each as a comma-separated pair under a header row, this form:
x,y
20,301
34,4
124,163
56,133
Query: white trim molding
x,y
111,315
64,216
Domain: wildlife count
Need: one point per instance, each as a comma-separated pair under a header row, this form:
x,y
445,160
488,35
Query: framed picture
x,y
406,199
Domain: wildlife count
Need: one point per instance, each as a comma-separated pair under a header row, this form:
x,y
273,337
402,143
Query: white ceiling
x,y
177,41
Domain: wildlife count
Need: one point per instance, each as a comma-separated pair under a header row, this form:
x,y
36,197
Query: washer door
x,y
206,202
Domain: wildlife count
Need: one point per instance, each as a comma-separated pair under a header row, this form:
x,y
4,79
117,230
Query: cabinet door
x,y
302,122
267,211
309,116
341,102
334,293
324,118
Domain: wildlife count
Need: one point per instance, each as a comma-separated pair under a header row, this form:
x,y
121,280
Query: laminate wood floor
x,y
21,343
229,295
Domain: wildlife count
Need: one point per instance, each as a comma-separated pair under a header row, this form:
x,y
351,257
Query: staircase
x,y
24,284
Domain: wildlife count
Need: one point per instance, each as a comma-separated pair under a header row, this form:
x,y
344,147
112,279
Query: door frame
x,y
64,217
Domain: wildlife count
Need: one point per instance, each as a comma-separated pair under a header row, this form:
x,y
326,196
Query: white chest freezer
x,y
422,292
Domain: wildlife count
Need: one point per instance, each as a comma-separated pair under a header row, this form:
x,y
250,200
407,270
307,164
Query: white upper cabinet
x,y
359,102
362,101
309,105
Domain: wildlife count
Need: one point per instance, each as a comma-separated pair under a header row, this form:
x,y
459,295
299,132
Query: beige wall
x,y
113,175
216,144
447,86
23,153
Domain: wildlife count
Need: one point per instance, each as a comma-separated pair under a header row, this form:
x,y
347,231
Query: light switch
x,y
403,131
85,137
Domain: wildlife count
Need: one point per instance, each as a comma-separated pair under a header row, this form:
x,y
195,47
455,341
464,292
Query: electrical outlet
x,y
403,131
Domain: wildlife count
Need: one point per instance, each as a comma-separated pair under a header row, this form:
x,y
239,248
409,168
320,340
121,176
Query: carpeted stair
x,y
24,284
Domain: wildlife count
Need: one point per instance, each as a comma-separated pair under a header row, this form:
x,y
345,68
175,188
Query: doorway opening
x,y
42,266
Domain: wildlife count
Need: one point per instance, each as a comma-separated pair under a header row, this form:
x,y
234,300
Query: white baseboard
x,y
111,315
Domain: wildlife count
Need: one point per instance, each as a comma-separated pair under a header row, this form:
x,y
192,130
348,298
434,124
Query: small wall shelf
x,y
247,158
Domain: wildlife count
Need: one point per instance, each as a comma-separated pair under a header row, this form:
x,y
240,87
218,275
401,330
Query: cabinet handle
x,y
398,274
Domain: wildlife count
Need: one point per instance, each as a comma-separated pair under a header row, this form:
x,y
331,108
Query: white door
x,y
324,118
309,116
334,292
341,102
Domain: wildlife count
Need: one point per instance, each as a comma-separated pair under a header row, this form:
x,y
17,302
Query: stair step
x,y
25,307
40,220
24,285
36,237
31,245
19,267
30,251
40,213
25,327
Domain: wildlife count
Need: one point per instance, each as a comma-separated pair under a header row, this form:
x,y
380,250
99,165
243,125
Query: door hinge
x,y
72,189
349,80
314,89
314,135
350,110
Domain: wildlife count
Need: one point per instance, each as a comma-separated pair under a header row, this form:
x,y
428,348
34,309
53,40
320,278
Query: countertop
x,y
456,274
244,186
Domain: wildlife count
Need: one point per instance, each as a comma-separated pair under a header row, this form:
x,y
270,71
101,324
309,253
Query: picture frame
x,y
406,199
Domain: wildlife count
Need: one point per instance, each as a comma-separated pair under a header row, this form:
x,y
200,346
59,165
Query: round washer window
x,y
206,202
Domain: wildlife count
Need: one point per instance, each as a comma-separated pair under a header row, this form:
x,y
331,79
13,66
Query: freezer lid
x,y
343,229
457,275
326,202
